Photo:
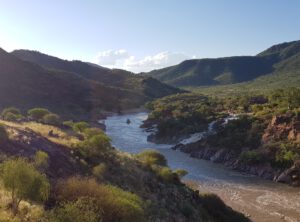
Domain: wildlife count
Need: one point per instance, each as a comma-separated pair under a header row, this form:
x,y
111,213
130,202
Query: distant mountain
x,y
230,70
71,87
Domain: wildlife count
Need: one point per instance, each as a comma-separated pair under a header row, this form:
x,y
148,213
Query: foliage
x,y
99,170
181,173
151,157
80,210
11,114
252,157
116,204
41,160
79,127
24,182
90,132
38,113
95,146
51,119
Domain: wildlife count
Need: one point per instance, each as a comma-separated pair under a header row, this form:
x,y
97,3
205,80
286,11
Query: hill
x,y
278,59
73,88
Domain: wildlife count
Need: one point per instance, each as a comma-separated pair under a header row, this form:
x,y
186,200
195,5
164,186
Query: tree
x,y
24,182
51,119
38,113
80,127
11,114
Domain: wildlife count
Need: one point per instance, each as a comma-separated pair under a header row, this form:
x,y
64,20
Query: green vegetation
x,y
113,203
24,182
264,132
152,157
90,180
38,113
51,119
11,114
232,75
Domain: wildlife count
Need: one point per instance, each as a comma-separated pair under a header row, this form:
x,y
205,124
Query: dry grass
x,y
27,212
64,137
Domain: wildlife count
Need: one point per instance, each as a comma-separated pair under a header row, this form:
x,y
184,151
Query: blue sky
x,y
140,35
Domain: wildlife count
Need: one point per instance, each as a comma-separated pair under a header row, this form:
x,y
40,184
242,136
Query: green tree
x,y
11,114
80,127
24,182
38,113
51,119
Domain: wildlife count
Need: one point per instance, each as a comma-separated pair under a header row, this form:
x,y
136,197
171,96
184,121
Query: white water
x,y
263,200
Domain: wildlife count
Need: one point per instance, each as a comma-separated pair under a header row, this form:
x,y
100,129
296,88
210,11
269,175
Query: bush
x,y
115,203
51,119
24,182
166,174
68,123
99,170
96,146
80,127
90,132
3,134
11,114
38,113
181,173
251,157
12,110
151,157
41,160
83,209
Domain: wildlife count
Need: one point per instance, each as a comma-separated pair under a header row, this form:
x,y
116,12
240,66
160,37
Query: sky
x,y
141,35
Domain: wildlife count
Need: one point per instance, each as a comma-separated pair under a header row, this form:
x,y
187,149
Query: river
x,y
263,201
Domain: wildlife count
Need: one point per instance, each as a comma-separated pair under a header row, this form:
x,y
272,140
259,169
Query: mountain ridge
x,y
229,70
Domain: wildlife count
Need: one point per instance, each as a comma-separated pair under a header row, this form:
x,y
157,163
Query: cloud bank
x,y
123,60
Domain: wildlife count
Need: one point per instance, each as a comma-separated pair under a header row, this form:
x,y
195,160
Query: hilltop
x,y
281,59
72,88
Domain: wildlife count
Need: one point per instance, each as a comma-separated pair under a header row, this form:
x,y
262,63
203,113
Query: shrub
x,y
99,170
51,119
166,174
251,157
41,160
68,123
12,110
38,113
82,209
3,133
115,203
96,146
24,182
151,157
181,172
11,114
90,132
80,127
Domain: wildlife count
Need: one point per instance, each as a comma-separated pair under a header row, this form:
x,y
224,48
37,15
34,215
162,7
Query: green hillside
x,y
26,85
282,59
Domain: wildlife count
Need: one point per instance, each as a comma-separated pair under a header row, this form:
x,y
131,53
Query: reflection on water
x,y
262,200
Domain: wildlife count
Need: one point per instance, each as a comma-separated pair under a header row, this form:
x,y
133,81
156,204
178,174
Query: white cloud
x,y
123,60
111,57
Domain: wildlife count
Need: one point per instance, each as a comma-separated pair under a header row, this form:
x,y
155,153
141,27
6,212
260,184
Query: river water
x,y
261,200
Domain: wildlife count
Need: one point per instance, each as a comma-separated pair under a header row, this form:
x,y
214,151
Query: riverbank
x,y
262,200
